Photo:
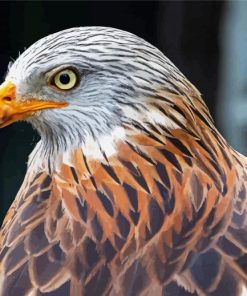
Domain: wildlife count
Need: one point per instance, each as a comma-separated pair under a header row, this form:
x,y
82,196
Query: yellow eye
x,y
65,79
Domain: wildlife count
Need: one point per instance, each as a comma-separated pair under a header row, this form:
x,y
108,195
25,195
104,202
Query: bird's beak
x,y
12,110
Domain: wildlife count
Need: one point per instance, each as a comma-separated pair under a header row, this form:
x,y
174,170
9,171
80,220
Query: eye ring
x,y
65,79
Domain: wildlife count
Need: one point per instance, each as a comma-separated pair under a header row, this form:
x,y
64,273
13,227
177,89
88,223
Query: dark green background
x,y
187,32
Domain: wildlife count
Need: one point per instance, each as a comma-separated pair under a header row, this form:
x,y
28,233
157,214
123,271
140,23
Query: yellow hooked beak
x,y
12,110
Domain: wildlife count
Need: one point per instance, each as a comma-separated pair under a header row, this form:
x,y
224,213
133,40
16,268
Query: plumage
x,y
131,190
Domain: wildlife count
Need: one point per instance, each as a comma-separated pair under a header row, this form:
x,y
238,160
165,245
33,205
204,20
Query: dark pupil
x,y
64,78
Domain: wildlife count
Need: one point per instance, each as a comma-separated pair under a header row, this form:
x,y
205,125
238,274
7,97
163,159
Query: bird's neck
x,y
45,159
186,132
208,149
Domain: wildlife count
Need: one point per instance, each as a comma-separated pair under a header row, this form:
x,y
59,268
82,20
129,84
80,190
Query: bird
x,y
131,189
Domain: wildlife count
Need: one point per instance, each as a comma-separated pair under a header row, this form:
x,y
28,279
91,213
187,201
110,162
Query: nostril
x,y
8,99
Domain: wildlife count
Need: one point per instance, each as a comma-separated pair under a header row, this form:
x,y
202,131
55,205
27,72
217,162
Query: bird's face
x,y
85,82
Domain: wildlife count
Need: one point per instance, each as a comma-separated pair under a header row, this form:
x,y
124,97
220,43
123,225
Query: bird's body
x,y
131,190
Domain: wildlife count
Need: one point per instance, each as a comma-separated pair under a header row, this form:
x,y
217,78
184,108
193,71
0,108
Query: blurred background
x,y
206,40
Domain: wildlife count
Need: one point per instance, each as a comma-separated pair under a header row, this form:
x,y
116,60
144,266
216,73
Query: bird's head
x,y
87,83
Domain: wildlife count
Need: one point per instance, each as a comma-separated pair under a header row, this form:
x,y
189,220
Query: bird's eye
x,y
65,79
